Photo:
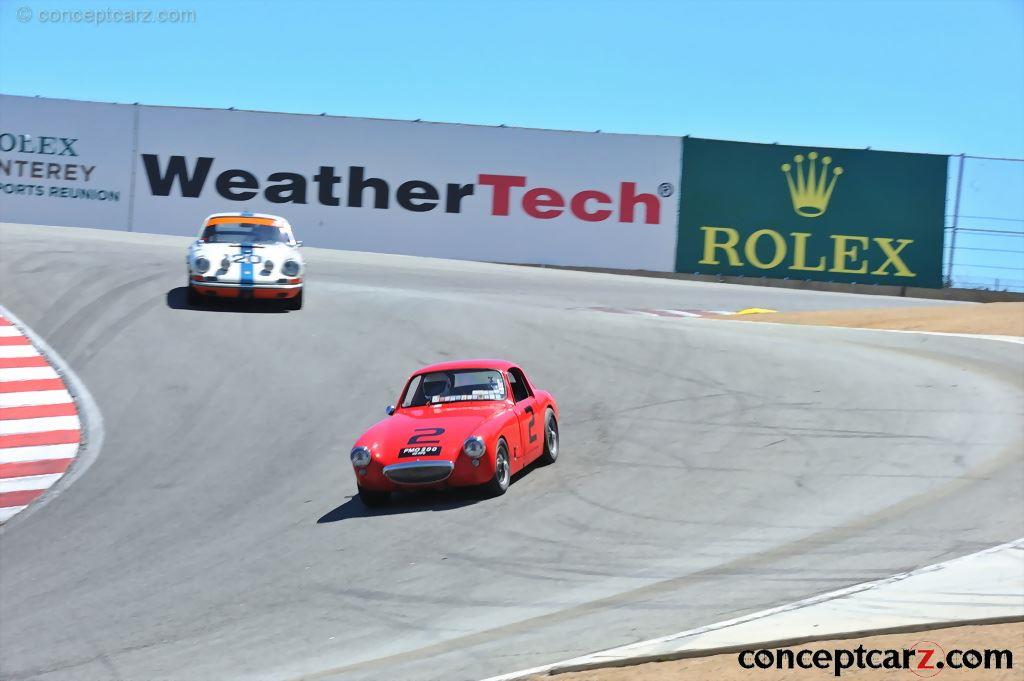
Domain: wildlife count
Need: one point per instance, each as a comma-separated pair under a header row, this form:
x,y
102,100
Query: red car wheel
x,y
550,439
502,472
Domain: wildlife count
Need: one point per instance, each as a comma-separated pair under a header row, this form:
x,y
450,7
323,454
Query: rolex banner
x,y
839,215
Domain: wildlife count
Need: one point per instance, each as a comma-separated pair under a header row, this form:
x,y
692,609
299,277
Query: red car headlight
x,y
360,457
474,447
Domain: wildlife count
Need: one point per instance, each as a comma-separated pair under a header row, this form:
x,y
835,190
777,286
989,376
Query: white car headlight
x,y
474,447
360,457
290,268
201,265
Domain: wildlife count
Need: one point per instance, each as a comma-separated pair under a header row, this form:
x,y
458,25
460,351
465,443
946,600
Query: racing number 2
x,y
529,426
424,437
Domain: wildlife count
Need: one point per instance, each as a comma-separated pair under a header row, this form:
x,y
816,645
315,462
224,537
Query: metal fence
x,y
984,245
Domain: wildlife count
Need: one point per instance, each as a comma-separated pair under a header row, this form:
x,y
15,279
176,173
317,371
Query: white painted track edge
x,y
580,663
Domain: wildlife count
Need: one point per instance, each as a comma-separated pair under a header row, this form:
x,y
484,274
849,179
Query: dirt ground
x,y
727,668
1003,319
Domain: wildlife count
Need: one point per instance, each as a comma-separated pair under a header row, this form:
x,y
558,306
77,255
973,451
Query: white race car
x,y
245,255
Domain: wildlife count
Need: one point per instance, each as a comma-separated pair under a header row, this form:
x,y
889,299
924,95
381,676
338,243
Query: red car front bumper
x,y
425,473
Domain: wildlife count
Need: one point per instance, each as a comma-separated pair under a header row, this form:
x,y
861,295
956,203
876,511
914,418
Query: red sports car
x,y
457,424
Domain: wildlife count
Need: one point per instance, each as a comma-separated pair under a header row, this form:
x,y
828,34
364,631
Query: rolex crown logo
x,y
812,188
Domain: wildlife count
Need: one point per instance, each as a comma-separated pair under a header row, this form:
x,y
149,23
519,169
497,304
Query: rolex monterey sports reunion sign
x,y
479,192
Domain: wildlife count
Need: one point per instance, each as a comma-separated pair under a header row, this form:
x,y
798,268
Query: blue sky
x,y
945,77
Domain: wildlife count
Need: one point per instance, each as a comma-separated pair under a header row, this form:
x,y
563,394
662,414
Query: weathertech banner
x,y
443,190
844,215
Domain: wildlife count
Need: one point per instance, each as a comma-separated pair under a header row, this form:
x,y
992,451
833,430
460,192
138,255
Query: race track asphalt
x,y
708,468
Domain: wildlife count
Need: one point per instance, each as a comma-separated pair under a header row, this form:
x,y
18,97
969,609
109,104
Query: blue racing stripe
x,y
247,272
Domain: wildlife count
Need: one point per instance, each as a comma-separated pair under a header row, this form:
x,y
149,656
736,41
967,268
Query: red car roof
x,y
499,364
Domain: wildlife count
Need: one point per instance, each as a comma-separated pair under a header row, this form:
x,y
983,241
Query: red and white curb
x,y
659,312
40,429
719,314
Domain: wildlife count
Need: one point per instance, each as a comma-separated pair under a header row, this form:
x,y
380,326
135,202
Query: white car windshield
x,y
460,385
243,233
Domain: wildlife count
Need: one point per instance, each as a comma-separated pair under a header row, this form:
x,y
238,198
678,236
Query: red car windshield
x,y
243,233
460,385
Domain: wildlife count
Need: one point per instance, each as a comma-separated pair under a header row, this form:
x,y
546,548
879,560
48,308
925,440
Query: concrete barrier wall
x,y
482,193
452,191
65,162
960,294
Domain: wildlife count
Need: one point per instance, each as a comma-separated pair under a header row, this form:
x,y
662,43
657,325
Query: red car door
x,y
530,426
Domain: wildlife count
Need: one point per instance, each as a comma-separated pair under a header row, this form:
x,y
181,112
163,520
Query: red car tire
x,y
550,454
499,483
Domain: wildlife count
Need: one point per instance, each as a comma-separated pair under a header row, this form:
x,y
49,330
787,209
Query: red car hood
x,y
418,427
